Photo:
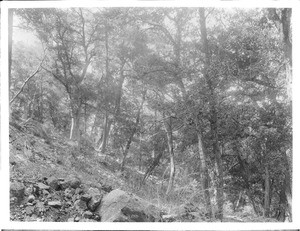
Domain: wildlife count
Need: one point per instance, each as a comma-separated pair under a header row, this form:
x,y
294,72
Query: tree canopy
x,y
184,94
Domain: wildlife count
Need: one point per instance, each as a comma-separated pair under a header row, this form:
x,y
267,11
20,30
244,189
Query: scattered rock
x,y
87,214
45,192
77,219
69,192
121,206
96,197
95,202
55,204
29,210
85,197
28,191
31,198
40,207
42,186
72,182
106,188
17,190
54,183
80,205
78,191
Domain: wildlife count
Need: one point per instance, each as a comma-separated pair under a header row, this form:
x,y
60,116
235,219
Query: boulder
x,y
120,206
17,190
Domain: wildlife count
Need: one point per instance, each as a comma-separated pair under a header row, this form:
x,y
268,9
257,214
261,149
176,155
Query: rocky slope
x,y
52,180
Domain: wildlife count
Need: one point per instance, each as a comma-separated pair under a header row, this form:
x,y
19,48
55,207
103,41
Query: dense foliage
x,y
196,97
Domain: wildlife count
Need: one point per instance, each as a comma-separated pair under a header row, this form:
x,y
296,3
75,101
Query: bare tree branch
x,y
26,81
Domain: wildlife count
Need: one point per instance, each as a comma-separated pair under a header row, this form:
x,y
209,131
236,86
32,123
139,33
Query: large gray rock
x,y
119,206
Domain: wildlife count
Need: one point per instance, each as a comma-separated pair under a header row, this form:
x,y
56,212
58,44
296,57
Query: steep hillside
x,y
54,180
36,164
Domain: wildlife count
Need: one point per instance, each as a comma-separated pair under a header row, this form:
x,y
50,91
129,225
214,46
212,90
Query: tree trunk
x,y
267,192
154,164
140,152
204,174
219,165
168,128
10,35
74,132
213,115
285,195
105,133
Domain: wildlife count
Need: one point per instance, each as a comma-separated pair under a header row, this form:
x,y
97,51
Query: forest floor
x,y
34,160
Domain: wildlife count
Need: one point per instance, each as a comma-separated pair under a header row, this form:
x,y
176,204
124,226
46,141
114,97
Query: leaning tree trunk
x,y
168,128
154,164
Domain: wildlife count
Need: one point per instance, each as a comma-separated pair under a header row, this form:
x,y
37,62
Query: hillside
x,y
38,165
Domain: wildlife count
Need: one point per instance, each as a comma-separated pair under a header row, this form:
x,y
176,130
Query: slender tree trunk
x,y
125,153
140,152
74,132
105,133
213,115
107,121
220,181
267,192
285,195
154,164
168,128
10,35
204,174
